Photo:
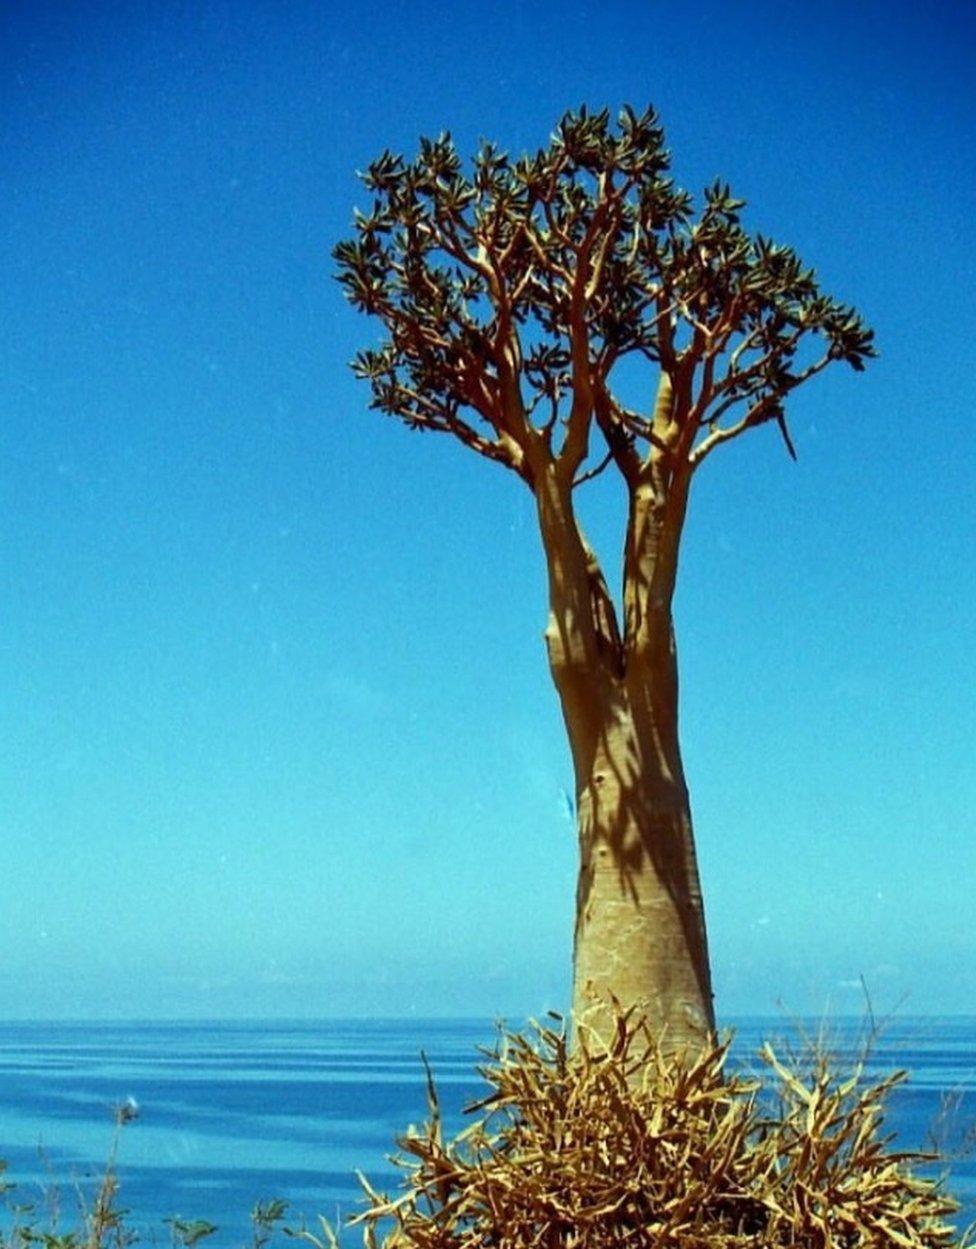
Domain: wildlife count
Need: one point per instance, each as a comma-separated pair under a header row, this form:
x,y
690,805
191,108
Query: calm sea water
x,y
230,1113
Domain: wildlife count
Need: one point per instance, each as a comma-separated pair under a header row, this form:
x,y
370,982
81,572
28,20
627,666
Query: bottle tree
x,y
510,292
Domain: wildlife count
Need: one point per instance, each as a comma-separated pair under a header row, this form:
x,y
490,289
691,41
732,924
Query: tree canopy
x,y
510,291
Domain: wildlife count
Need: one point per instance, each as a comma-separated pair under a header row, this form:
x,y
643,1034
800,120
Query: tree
x,y
510,294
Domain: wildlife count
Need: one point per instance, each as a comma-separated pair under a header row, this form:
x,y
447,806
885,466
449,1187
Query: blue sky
x,y
278,734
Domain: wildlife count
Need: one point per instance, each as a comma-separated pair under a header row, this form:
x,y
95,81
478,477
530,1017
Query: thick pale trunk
x,y
640,932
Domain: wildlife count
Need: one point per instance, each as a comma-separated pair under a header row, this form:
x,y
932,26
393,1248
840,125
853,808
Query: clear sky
x,y
278,734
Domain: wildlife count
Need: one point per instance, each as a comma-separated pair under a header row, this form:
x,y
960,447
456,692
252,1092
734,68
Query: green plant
x,y
265,1218
100,1222
189,1232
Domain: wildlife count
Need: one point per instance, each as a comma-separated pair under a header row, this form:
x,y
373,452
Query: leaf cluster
x,y
510,285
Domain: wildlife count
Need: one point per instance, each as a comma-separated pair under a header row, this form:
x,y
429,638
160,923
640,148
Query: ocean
x,y
232,1113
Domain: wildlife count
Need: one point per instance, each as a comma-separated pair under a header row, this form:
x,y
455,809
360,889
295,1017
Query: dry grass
x,y
593,1150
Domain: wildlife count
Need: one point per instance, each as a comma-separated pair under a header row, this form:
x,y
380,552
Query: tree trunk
x,y
640,931
640,928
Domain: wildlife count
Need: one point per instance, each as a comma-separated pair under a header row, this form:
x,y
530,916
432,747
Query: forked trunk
x,y
640,930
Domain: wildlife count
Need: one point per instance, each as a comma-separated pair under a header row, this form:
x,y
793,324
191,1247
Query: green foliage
x,y
102,1223
515,282
265,1217
189,1232
635,1147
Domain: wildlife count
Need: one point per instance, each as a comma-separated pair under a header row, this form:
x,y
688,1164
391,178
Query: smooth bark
x,y
640,933
640,930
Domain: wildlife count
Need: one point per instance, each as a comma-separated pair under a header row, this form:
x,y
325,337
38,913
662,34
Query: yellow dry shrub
x,y
589,1149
